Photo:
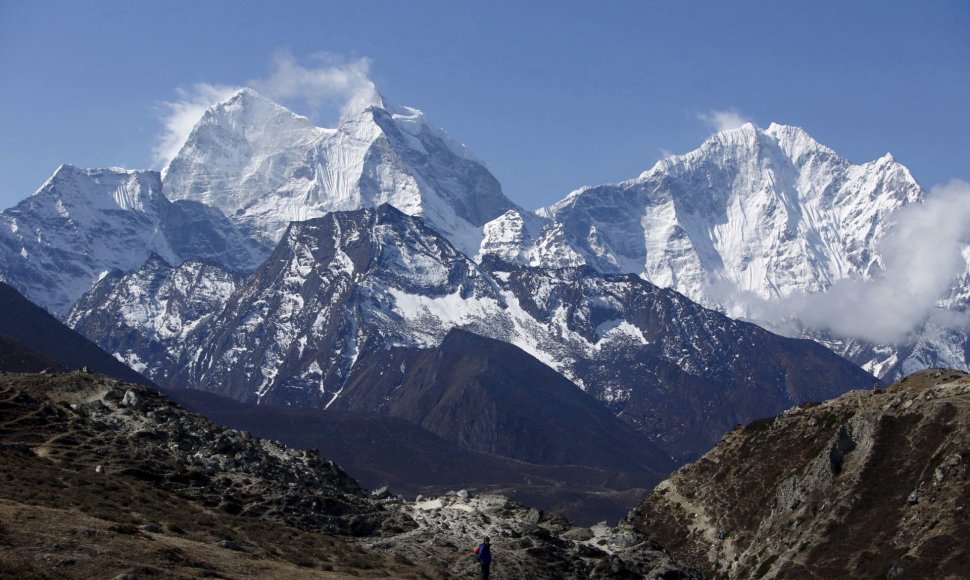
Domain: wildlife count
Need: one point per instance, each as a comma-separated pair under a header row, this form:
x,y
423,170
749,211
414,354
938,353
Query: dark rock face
x,y
491,397
32,329
17,358
871,484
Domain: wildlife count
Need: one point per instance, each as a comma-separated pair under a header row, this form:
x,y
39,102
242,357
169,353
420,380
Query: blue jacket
x,y
484,554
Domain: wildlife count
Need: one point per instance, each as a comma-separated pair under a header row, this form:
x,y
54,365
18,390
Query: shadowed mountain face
x,y
872,484
17,358
475,412
37,336
490,396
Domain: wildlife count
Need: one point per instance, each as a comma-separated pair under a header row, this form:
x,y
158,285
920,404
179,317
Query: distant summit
x,y
82,224
748,219
265,166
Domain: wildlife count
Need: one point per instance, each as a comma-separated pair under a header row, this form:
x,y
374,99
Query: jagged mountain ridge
x,y
769,211
265,166
257,163
354,285
765,212
170,301
753,214
83,223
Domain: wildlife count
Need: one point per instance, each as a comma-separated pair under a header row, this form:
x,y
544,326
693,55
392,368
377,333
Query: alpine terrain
x,y
83,223
369,289
749,219
341,312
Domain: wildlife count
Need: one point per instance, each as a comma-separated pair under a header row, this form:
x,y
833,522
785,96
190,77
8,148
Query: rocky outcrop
x,y
871,484
526,542
129,430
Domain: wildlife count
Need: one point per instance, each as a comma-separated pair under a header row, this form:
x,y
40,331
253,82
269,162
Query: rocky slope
x,y
156,307
340,292
384,451
491,397
103,477
871,484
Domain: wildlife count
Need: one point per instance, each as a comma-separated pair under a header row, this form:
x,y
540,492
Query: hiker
x,y
483,552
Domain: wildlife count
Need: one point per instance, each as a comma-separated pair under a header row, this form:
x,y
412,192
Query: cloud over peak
x,y
923,256
723,120
334,83
181,115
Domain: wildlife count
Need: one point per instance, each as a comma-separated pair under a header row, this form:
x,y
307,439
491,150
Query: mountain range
x,y
749,222
370,290
276,262
753,221
264,166
349,304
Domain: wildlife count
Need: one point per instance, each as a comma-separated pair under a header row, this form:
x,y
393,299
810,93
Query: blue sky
x,y
551,95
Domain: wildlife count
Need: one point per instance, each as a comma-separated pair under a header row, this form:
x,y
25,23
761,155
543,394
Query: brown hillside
x,y
873,484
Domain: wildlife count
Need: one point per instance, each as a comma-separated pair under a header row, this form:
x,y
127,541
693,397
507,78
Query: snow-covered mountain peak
x,y
259,120
72,188
82,223
264,167
732,144
238,150
796,143
776,146
247,104
772,212
751,215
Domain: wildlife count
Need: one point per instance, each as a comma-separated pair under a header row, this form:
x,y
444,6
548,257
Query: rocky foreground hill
x,y
101,477
869,485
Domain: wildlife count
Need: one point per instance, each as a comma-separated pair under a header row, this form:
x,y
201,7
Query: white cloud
x,y
179,117
723,120
336,82
922,258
